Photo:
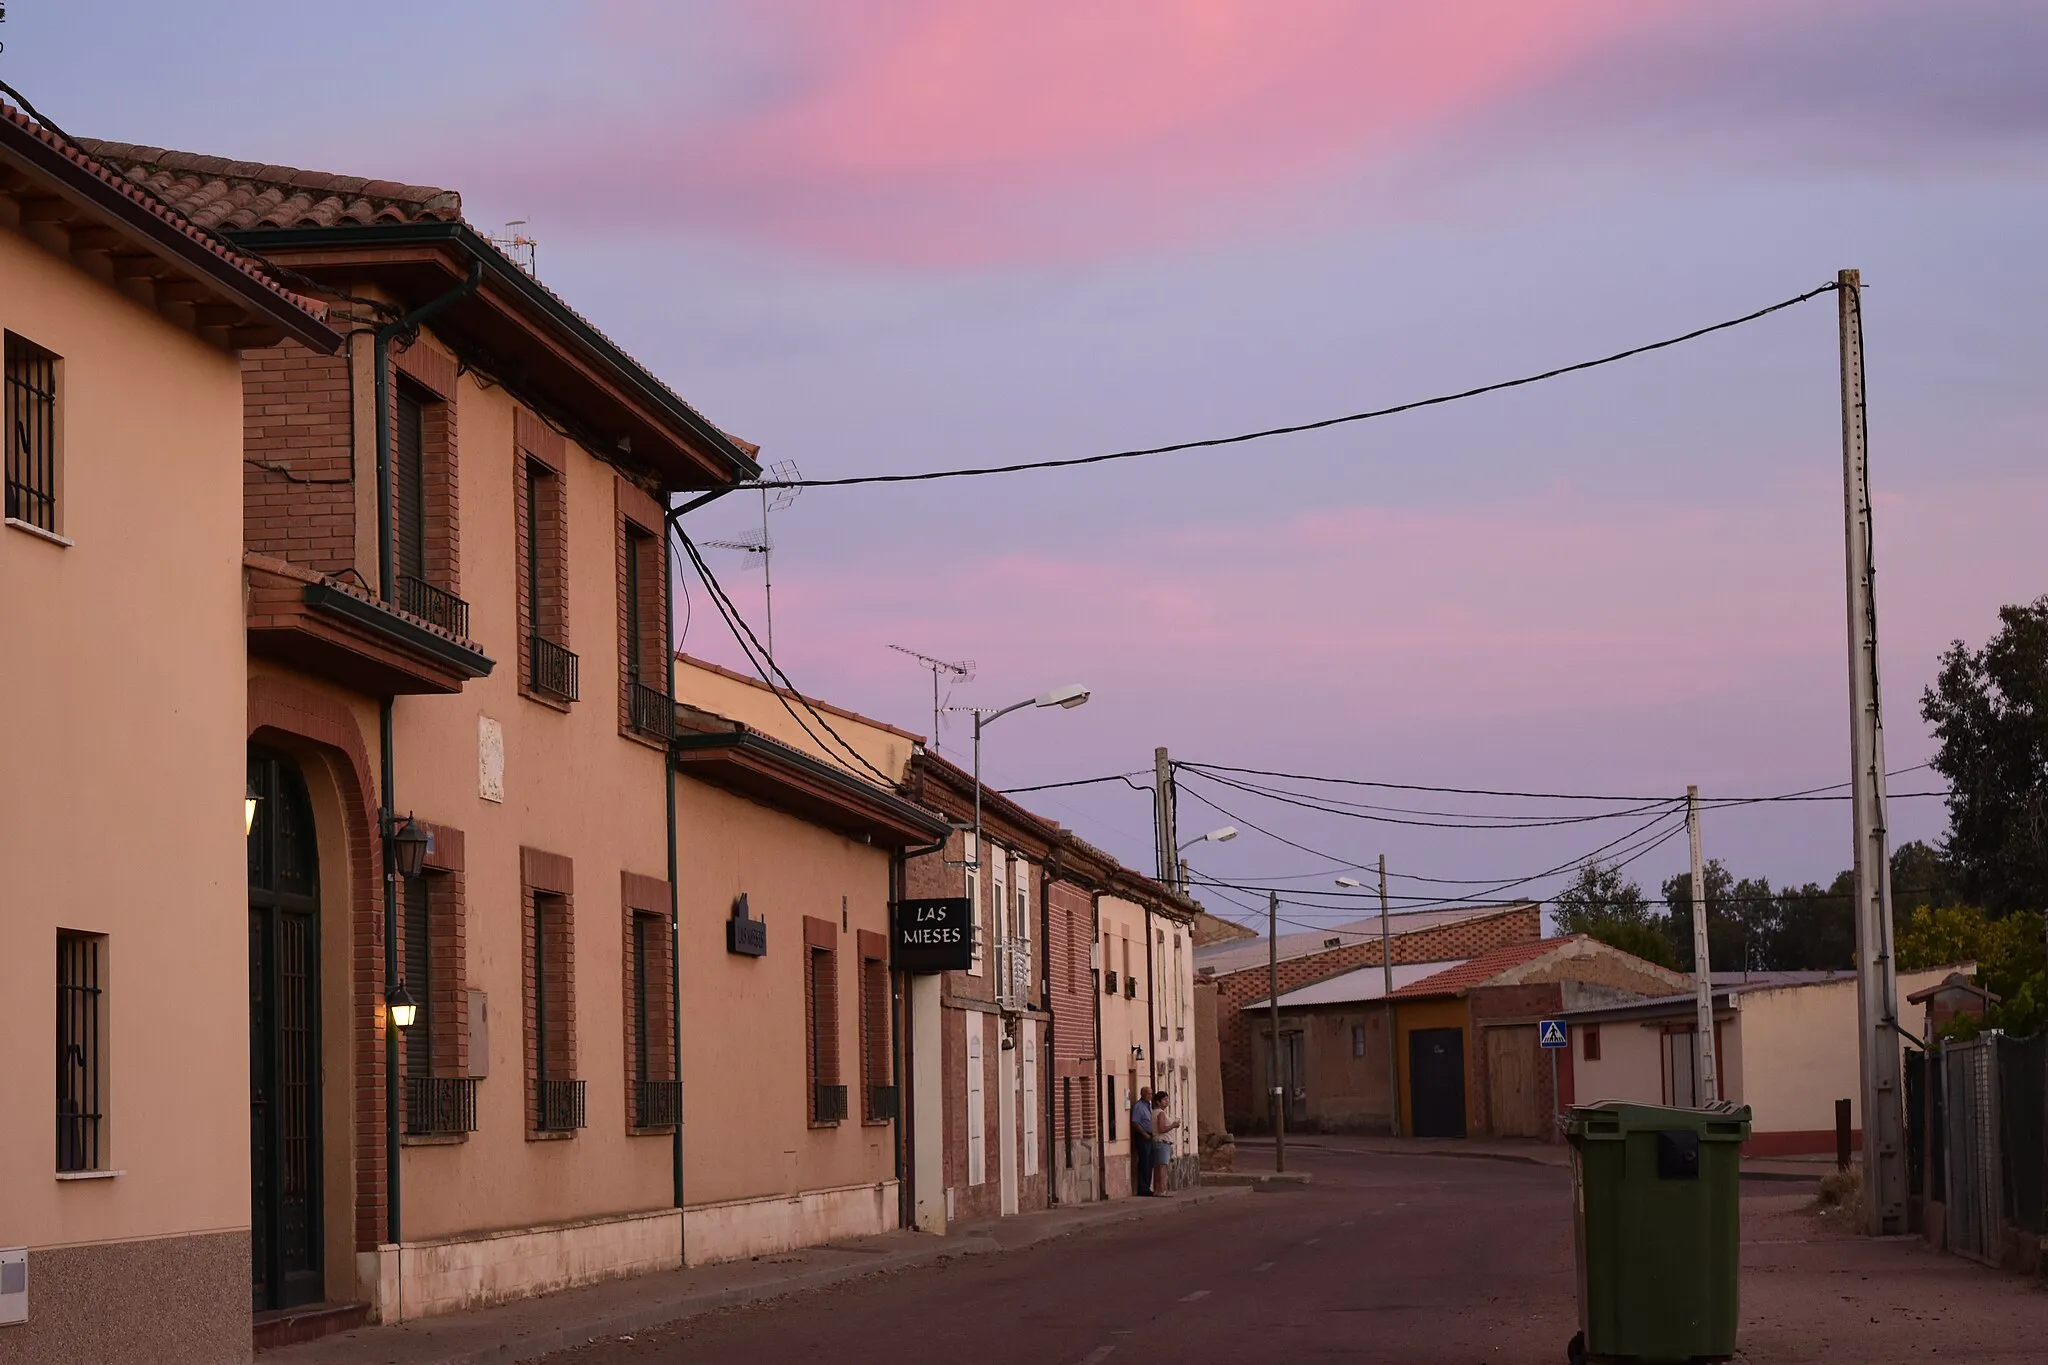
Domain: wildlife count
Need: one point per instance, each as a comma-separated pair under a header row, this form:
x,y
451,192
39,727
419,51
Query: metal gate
x,y
2023,1130
1974,1197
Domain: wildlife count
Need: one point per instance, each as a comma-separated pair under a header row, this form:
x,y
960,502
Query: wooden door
x,y
1514,1092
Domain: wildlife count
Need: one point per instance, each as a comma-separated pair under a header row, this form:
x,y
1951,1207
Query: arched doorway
x,y
284,1036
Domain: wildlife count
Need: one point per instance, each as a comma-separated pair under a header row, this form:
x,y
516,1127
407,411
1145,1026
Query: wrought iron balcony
x,y
560,1107
554,670
650,712
657,1104
828,1103
1109,982
434,606
440,1105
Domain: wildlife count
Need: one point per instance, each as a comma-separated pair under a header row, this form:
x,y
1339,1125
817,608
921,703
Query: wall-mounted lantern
x,y
403,1008
409,845
249,800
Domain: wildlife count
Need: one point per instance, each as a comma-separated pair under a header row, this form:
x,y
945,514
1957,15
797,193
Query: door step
x,y
290,1326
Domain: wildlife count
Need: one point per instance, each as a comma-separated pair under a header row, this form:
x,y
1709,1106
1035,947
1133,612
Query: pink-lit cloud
x,y
937,131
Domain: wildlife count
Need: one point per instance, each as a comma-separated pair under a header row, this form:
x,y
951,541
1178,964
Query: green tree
x,y
1816,926
1989,712
1605,905
1731,933
2008,952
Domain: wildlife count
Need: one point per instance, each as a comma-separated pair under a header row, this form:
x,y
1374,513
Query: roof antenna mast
x,y
779,475
962,669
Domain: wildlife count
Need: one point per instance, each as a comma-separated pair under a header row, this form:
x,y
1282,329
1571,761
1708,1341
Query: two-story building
x,y
124,1166
460,880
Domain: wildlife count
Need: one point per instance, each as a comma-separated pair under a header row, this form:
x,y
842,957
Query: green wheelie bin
x,y
1657,1226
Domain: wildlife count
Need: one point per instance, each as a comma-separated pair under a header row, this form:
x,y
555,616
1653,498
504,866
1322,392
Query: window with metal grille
x,y
81,1012
653,1093
877,1081
641,653
31,436
558,1098
550,669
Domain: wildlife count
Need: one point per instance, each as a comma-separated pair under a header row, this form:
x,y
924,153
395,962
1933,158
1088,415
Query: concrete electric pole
x,y
1278,1086
1706,1069
1877,987
1163,820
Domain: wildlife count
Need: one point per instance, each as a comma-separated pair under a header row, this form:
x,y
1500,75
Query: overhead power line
x,y
1321,423
1214,768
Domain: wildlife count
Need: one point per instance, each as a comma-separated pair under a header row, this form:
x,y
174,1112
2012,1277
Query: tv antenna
x,y
514,241
760,543
962,669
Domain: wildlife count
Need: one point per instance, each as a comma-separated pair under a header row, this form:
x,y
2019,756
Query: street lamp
x,y
1214,836
404,1009
1066,698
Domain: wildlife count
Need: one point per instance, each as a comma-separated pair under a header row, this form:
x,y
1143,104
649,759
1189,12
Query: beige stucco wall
x,y
1173,1034
1803,1054
574,786
746,1108
1631,1062
752,704
121,786
1123,1017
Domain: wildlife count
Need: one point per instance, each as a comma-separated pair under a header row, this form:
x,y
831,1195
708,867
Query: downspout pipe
x,y
675,919
387,582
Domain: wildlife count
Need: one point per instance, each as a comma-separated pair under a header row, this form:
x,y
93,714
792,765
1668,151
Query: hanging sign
x,y
932,935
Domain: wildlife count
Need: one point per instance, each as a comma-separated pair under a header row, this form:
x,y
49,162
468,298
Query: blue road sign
x,y
1550,1032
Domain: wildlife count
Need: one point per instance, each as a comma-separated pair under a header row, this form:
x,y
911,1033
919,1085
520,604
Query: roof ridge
x,y
236,195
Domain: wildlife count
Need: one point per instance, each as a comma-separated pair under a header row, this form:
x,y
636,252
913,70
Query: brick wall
x,y
1464,939
298,476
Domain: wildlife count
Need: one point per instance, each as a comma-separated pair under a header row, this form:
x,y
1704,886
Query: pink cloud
x,y
937,131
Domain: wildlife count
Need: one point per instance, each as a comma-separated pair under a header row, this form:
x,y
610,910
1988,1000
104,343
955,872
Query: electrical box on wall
x,y
13,1285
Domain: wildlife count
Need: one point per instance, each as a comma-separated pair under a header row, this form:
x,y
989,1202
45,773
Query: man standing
x,y
1142,1139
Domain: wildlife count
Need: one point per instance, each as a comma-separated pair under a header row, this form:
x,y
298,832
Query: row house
x,y
791,1031
1024,1062
124,1186
463,1083
1242,968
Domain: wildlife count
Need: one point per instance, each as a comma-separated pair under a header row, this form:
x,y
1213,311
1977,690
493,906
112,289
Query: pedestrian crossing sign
x,y
1550,1032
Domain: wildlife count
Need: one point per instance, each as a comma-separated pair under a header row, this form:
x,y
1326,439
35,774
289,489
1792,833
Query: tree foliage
x,y
2008,951
1989,712
1605,905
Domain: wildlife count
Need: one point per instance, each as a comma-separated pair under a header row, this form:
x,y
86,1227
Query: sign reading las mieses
x,y
933,935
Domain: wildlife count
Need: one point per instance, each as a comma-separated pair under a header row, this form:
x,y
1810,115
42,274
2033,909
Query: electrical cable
x,y
1830,287
1124,778
750,644
1491,821
1212,768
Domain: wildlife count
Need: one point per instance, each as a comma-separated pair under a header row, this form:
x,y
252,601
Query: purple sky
x,y
951,234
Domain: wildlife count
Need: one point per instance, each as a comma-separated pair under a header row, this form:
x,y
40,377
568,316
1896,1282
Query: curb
x,y
1783,1177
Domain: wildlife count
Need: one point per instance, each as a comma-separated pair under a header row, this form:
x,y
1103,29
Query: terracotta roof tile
x,y
80,152
1482,969
235,196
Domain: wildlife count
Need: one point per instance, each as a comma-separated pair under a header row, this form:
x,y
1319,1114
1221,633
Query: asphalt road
x,y
1386,1259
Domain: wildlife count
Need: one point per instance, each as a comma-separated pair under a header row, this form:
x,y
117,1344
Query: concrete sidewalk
x,y
1529,1152
535,1327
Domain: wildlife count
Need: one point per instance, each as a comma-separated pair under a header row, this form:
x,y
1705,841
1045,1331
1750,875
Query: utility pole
x,y
1278,1087
1706,1086
1877,987
1163,821
1387,981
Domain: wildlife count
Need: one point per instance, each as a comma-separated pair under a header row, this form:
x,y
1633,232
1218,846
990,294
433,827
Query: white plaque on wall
x,y
490,759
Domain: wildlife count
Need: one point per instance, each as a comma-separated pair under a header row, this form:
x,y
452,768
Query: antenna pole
x,y
767,576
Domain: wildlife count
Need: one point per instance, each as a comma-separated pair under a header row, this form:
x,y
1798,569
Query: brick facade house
x,y
1239,969
454,577
1010,1048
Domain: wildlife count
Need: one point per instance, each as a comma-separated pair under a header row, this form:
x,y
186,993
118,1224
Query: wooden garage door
x,y
1514,1100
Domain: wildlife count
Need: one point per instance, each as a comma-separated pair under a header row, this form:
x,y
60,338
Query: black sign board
x,y
932,936
747,937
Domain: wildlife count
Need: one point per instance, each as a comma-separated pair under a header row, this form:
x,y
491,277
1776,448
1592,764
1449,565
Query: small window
x,y
655,1097
641,656
1358,1040
423,537
821,1023
878,1102
81,1050
550,670
31,435
1590,1034
558,1097
417,972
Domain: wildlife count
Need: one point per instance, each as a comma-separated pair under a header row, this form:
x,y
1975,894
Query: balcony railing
x,y
1130,988
1109,982
828,1103
881,1103
657,1104
434,606
1013,974
439,1105
554,670
560,1107
650,713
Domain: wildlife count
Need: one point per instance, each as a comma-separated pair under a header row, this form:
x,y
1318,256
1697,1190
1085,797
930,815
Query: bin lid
x,y
1607,1120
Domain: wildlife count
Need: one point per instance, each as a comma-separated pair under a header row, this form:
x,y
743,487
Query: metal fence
x,y
1974,1195
2023,1130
